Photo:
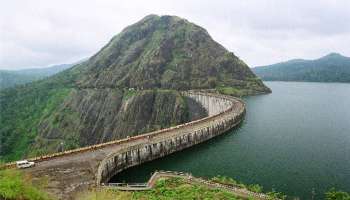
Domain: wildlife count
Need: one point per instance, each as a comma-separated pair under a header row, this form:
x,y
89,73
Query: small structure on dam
x,y
77,170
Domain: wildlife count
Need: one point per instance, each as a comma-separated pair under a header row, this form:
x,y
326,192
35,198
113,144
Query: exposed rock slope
x,y
90,116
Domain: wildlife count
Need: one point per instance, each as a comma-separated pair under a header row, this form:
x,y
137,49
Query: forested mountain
x,y
129,87
9,78
330,68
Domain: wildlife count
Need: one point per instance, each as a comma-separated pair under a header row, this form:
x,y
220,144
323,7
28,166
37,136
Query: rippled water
x,y
295,140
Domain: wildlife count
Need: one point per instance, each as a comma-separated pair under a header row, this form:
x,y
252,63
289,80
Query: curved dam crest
x,y
73,171
219,120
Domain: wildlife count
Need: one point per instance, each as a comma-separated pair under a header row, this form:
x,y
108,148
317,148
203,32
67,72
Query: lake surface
x,y
295,140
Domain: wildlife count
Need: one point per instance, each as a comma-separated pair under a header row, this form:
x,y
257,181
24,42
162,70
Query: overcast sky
x,y
35,33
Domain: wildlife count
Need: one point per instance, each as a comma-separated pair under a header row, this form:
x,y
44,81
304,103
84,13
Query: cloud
x,y
36,33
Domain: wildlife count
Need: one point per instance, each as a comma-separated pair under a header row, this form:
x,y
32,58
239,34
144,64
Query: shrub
x,y
334,194
14,185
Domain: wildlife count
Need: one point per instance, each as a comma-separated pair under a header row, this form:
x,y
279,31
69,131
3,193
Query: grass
x,y
14,185
253,187
165,189
231,91
230,181
128,93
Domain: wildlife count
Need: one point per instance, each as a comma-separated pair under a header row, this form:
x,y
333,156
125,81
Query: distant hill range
x,y
330,68
9,78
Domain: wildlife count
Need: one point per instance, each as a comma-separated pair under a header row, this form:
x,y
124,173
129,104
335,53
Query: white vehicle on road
x,y
24,164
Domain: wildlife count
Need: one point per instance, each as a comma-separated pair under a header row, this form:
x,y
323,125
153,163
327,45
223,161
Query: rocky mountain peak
x,y
163,52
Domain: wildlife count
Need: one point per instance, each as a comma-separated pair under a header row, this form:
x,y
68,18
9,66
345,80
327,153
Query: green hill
x,y
129,87
331,68
10,78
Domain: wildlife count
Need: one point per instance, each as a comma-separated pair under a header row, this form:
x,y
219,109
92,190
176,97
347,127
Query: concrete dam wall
x,y
212,104
224,113
74,171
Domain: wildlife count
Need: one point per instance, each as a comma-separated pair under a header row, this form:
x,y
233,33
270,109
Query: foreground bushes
x,y
254,187
167,189
15,186
333,194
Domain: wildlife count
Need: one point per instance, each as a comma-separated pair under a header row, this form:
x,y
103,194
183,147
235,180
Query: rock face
x,y
127,88
92,116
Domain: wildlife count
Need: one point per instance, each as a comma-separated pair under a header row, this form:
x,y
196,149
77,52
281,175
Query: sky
x,y
39,33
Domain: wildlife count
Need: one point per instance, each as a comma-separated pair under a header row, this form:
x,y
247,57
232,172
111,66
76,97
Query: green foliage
x,y
165,52
253,187
165,189
276,195
14,185
177,188
251,86
159,52
22,108
128,93
334,194
230,181
231,91
224,180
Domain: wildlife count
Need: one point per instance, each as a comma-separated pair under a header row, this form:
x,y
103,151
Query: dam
x,y
73,171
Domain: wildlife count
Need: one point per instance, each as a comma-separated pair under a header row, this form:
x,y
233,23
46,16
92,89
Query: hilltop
x,y
166,52
330,68
130,86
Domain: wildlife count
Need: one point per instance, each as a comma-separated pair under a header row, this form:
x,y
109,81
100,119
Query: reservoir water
x,y
295,140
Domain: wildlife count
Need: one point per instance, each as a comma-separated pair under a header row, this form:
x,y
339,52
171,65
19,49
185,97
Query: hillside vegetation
x,y
129,87
331,68
166,52
14,185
